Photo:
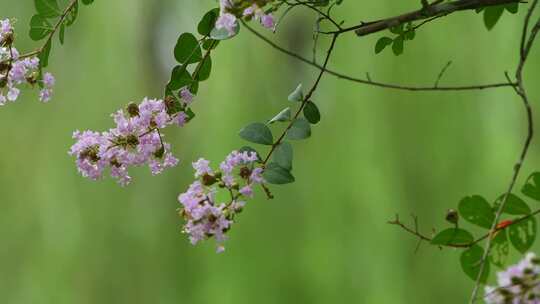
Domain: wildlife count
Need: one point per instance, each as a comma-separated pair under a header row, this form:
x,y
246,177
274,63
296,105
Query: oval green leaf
x,y
187,49
311,112
476,210
523,234
470,261
257,133
454,236
300,129
277,175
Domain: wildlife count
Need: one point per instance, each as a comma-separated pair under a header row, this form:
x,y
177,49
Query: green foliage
x,y
206,25
455,236
284,115
532,186
403,33
476,210
297,95
471,260
257,133
41,26
187,49
47,8
300,129
522,234
514,205
283,155
499,249
277,175
493,14
311,112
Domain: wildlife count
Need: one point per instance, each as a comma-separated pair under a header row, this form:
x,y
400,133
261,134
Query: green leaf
x,y
283,155
300,129
44,55
187,49
471,262
210,44
257,133
223,34
397,46
297,94
522,234
476,210
39,27
208,22
499,249
410,34
284,115
205,69
311,112
492,15
532,186
512,7
180,78
398,29
382,43
87,2
275,174
514,205
72,15
455,236
61,34
47,8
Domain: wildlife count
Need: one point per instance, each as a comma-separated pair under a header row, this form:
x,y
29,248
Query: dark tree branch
x,y
432,10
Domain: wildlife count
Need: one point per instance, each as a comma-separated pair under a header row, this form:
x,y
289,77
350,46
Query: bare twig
x,y
375,83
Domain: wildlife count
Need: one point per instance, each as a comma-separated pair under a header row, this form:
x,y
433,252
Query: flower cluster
x,y
207,218
16,70
230,11
135,141
517,284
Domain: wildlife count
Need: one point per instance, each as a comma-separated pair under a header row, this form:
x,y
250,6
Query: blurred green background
x,y
323,239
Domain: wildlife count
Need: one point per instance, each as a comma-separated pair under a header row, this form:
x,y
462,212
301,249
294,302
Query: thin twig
x,y
375,83
305,100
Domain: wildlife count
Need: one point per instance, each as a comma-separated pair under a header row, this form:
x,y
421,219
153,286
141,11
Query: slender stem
x,y
305,100
426,238
370,82
38,51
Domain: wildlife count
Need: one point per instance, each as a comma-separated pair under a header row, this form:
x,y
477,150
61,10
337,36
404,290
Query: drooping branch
x,y
435,9
369,81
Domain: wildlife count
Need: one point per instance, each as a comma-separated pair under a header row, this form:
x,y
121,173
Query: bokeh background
x,y
324,239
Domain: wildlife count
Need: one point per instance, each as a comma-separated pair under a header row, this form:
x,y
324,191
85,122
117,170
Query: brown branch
x,y
370,82
423,237
433,10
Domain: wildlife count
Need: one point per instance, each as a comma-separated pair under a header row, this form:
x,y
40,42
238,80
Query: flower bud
x,y
132,109
452,216
208,180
